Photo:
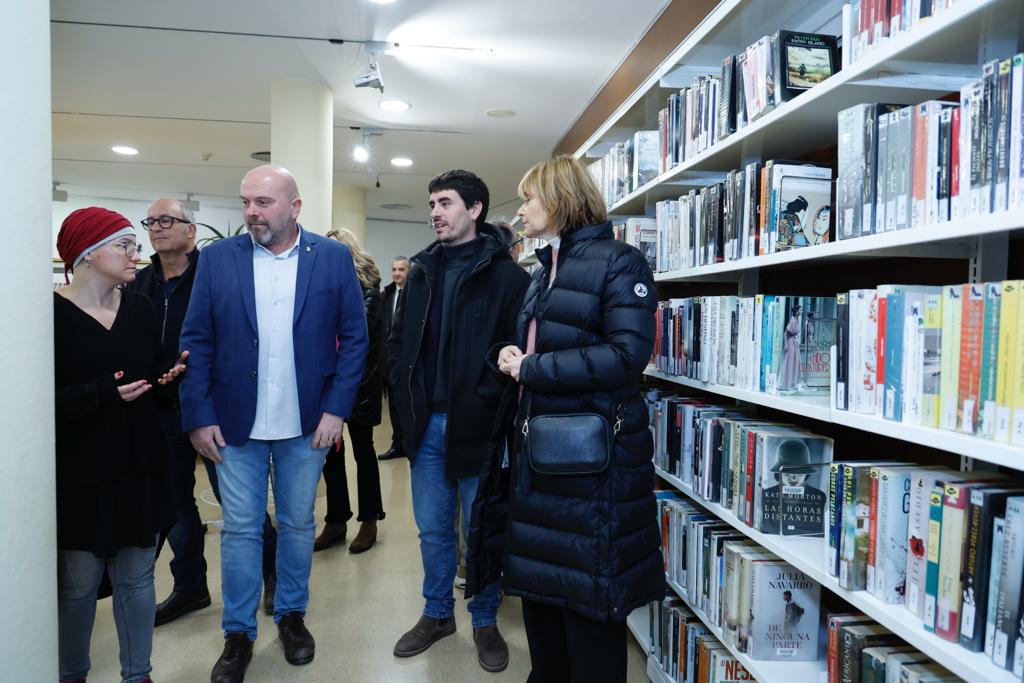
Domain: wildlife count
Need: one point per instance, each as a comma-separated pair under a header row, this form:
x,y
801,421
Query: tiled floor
x,y
360,605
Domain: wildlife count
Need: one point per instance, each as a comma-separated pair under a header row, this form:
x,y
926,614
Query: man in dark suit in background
x,y
399,270
277,338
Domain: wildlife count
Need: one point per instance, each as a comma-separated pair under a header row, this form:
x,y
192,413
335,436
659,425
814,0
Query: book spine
x,y
842,351
994,583
954,163
1004,648
1015,199
931,360
1008,330
1001,139
873,505
835,509
894,331
972,330
987,417
880,348
952,308
972,618
947,620
931,587
893,518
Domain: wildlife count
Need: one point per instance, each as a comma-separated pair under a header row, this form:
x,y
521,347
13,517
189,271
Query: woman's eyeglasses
x,y
129,248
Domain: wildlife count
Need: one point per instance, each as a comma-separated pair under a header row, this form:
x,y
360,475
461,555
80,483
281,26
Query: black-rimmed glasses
x,y
163,221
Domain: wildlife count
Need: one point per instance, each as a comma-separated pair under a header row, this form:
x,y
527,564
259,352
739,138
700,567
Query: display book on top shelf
x,y
911,67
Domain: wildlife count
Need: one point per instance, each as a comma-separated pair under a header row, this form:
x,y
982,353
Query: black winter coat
x,y
588,543
487,301
366,411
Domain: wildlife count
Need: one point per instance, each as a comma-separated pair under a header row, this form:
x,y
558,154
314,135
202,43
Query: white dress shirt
x,y
277,392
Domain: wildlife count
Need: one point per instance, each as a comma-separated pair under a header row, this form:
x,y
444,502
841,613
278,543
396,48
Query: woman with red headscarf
x,y
111,502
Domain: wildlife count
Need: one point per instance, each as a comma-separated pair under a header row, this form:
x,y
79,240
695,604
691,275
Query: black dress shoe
x,y
296,638
230,668
269,590
392,454
179,603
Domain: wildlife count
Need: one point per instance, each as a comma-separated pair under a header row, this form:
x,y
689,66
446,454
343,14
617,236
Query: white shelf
x,y
984,450
808,555
655,672
638,624
946,47
951,239
816,407
764,671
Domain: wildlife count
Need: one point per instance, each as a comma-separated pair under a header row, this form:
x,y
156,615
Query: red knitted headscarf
x,y
85,228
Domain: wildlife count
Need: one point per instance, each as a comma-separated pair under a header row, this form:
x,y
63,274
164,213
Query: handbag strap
x,y
619,414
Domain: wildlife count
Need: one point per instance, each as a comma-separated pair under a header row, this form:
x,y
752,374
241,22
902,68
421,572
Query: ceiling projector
x,y
369,78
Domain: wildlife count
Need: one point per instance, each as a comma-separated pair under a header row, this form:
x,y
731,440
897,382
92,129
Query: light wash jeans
x,y
243,479
434,504
79,574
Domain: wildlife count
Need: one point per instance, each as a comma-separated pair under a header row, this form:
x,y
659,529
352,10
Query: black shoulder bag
x,y
575,444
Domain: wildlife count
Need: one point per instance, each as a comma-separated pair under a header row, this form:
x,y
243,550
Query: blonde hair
x,y
366,269
567,191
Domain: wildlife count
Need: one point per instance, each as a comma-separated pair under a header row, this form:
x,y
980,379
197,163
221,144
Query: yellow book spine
x,y
1017,420
1006,365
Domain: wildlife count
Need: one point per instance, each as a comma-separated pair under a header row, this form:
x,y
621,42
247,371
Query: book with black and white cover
x,y
727,98
986,504
983,139
852,641
995,577
784,625
890,176
1001,137
873,661
646,157
789,496
944,172
895,661
801,205
902,147
851,175
864,349
751,202
1012,574
881,152
841,398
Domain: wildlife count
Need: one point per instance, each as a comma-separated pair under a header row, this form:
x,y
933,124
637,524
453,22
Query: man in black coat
x,y
168,285
462,296
389,302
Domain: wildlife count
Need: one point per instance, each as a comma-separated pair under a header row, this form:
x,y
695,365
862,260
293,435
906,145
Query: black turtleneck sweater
x,y
458,261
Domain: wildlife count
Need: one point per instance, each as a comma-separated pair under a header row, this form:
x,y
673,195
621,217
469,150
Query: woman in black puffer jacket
x,y
365,416
581,551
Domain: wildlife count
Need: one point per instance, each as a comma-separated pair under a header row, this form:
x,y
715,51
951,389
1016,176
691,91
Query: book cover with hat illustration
x,y
792,471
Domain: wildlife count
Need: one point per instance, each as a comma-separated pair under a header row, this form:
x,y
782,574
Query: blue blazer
x,y
220,334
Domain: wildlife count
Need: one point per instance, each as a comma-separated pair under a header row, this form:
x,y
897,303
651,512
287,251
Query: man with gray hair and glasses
x,y
399,271
168,285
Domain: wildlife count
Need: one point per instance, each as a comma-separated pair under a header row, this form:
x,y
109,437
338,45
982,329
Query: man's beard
x,y
263,237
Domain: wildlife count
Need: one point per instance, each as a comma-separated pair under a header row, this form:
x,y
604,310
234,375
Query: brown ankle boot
x,y
366,537
332,533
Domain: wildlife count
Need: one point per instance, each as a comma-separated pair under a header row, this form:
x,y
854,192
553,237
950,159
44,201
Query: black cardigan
x,y
111,460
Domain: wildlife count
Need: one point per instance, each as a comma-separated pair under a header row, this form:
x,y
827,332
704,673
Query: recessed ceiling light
x,y
124,149
401,162
360,154
382,2
500,113
395,206
394,105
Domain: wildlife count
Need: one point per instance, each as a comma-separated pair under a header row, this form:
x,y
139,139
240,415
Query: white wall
x,y
28,548
385,239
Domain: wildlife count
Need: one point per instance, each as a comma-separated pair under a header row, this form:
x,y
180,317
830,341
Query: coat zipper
x,y
163,325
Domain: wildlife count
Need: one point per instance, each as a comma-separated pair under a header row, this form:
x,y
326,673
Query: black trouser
x,y
188,566
565,646
396,427
339,508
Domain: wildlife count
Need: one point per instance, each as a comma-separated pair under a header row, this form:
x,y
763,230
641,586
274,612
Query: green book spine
x,y
990,360
931,585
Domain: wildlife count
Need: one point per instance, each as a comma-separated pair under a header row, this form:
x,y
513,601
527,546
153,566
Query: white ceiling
x,y
176,95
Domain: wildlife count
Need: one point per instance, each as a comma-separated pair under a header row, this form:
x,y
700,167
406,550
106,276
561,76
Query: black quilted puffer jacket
x,y
589,543
366,411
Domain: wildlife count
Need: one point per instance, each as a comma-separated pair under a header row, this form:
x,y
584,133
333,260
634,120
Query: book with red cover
x,y
971,331
954,162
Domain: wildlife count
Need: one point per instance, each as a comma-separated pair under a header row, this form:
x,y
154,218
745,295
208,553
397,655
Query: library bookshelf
x,y
935,57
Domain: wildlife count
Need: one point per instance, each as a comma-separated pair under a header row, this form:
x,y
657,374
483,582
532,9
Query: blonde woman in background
x,y
365,416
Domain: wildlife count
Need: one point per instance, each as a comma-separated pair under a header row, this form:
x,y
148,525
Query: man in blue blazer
x,y
277,339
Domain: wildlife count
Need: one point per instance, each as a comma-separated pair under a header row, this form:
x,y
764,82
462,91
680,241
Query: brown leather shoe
x,y
425,633
332,533
230,668
491,649
366,537
298,642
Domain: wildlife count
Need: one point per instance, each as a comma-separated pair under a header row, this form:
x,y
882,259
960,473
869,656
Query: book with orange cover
x,y
971,331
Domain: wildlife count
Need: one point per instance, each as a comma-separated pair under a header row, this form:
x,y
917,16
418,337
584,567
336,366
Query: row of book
x,y
764,607
949,357
947,545
769,475
770,343
902,167
759,209
686,649
868,24
863,651
775,69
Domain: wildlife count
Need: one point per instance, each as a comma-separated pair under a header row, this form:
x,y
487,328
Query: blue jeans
x,y
79,573
434,504
243,491
188,565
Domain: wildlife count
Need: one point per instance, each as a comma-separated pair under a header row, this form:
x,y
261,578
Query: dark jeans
x,y
565,646
339,507
188,566
396,427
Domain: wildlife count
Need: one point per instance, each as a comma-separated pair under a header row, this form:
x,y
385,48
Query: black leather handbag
x,y
577,444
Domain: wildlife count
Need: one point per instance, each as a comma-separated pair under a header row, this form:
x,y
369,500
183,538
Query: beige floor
x,y
359,606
